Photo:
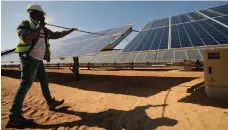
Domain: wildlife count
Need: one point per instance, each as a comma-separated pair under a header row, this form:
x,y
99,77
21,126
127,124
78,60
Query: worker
x,y
33,48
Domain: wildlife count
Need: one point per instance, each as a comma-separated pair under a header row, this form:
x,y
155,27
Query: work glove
x,y
73,29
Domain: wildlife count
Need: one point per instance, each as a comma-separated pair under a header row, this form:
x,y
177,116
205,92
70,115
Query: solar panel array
x,y
87,44
202,28
115,56
10,57
143,57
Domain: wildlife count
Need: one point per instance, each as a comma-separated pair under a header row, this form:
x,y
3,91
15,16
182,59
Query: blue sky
x,y
93,16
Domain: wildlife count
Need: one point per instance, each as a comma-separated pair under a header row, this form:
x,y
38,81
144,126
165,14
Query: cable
x,y
76,30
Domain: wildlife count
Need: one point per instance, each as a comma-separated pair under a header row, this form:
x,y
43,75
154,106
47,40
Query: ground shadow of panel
x,y
198,96
111,119
127,85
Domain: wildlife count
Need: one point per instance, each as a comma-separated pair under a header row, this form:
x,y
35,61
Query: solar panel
x,y
168,56
131,57
141,56
85,46
123,58
159,56
150,56
193,54
10,57
111,59
180,55
112,56
117,58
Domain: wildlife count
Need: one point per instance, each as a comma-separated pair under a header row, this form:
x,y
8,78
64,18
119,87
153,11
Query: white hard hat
x,y
35,7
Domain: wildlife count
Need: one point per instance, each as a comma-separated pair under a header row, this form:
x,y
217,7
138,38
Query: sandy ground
x,y
119,99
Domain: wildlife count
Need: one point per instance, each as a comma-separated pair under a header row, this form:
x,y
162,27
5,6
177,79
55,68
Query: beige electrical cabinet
x,y
216,73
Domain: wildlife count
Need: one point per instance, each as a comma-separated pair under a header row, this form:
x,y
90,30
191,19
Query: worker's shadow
x,y
112,119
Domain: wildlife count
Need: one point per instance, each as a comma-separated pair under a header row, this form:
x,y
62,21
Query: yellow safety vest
x,y
25,46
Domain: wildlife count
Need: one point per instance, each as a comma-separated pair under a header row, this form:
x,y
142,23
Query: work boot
x,y
17,121
54,103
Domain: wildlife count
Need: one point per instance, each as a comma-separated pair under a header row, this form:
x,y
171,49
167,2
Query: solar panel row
x,y
142,57
115,56
165,56
186,30
189,34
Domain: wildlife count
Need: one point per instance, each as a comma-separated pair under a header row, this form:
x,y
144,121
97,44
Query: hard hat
x,y
35,7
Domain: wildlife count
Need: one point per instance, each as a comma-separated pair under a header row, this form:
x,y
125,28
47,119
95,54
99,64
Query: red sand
x,y
119,99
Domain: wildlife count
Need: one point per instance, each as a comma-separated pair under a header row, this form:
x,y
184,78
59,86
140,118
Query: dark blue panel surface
x,y
145,39
216,31
164,39
223,19
135,42
208,13
221,9
196,16
204,35
175,39
175,20
150,40
193,35
187,30
184,39
157,39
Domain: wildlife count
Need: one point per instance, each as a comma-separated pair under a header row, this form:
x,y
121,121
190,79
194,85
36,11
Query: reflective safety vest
x,y
25,46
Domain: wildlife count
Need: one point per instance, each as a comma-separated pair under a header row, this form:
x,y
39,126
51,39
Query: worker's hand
x,y
73,29
42,23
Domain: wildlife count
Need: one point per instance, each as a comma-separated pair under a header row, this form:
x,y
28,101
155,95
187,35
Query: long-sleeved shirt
x,y
25,33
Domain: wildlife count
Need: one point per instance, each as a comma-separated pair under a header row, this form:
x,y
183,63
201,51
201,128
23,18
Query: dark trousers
x,y
30,69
